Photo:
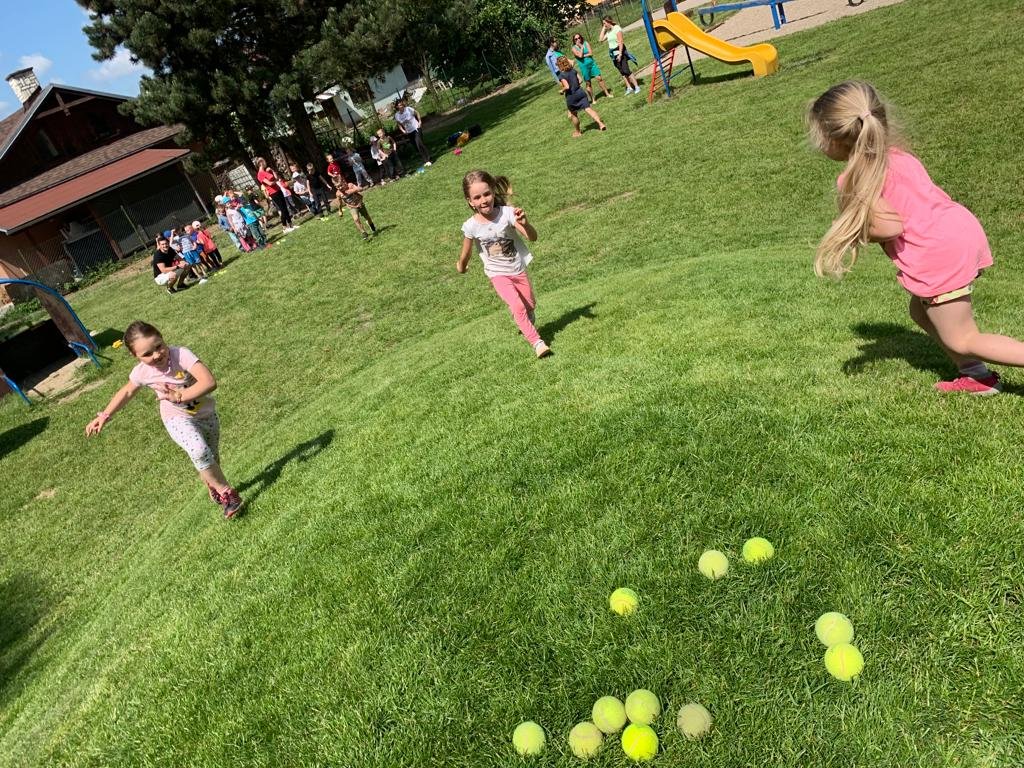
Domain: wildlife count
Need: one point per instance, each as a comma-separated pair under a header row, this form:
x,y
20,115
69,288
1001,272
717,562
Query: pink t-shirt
x,y
176,374
943,246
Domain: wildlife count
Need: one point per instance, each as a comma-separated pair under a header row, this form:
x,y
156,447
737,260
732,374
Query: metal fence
x,y
88,243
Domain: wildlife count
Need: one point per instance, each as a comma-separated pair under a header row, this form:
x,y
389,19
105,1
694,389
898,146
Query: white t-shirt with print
x,y
406,117
502,249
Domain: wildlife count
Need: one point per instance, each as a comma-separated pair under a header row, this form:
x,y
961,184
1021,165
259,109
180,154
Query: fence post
x,y
25,262
199,199
143,238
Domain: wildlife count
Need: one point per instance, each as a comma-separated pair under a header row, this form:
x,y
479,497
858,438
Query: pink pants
x,y
516,291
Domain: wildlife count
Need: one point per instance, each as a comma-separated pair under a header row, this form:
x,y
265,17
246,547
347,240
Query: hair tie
x,y
865,115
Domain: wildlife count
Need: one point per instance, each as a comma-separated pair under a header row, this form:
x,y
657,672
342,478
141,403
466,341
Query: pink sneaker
x,y
990,385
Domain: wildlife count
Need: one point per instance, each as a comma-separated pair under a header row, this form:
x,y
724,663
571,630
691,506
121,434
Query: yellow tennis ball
x,y
713,564
585,739
642,707
844,662
757,550
833,628
693,721
639,742
528,738
608,714
623,601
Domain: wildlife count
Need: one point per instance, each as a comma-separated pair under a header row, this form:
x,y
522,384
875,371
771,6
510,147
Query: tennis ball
x,y
693,721
642,707
528,738
608,714
623,601
713,564
844,662
757,550
639,742
833,629
585,739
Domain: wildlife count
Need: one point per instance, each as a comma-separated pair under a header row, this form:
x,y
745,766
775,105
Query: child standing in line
x,y
191,254
386,145
350,196
182,385
938,246
225,223
211,253
318,189
252,223
498,230
238,226
355,162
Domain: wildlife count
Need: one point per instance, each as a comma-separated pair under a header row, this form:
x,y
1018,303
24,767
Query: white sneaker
x,y
542,349
427,164
202,281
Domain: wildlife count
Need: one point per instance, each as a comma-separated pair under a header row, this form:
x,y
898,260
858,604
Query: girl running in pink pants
x,y
182,385
499,229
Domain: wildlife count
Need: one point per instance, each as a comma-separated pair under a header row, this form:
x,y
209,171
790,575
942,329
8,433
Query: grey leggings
x,y
198,436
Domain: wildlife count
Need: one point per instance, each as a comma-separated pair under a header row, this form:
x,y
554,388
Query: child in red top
x,y
937,245
211,254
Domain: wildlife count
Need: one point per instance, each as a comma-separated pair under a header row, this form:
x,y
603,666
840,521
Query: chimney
x,y
24,83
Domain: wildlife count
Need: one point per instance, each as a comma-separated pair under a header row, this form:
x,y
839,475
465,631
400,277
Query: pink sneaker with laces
x,y
989,385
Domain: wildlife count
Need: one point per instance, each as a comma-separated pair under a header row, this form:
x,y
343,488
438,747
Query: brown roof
x,y
90,161
85,186
10,124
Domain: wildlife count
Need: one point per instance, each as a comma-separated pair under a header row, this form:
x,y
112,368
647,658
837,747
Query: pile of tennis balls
x,y
642,707
609,716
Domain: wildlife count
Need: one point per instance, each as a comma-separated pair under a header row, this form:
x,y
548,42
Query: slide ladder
x,y
665,63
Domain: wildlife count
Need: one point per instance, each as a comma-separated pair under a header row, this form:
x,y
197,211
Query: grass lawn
x,y
436,518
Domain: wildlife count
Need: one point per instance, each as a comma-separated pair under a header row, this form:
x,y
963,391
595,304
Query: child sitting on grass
x,y
350,196
182,385
938,246
498,231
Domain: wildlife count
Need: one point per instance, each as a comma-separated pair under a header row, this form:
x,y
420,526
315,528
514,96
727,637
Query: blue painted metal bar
x,y
646,12
81,349
778,11
61,299
16,389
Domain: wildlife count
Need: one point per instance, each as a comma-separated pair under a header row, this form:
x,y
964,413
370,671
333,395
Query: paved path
x,y
754,25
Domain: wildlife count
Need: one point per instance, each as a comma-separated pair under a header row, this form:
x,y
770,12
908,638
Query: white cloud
x,y
38,62
119,66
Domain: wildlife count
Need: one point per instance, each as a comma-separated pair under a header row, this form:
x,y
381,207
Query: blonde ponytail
x,y
850,117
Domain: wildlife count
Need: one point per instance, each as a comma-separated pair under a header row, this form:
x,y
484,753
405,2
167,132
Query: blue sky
x,y
47,35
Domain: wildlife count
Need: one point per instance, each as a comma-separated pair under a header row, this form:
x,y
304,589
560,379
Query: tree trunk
x,y
304,133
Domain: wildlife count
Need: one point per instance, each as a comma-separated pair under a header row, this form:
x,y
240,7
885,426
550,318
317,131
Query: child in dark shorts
x,y
575,97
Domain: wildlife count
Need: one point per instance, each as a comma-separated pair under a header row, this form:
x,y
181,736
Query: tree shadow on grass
x,y
14,438
548,331
302,452
23,604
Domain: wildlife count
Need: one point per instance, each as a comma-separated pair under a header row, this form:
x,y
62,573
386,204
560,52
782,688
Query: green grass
x,y
437,518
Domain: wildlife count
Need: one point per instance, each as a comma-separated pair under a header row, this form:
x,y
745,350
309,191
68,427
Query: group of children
x,y
885,197
196,251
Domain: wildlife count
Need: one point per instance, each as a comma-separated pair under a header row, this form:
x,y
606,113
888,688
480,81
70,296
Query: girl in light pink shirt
x,y
937,245
182,385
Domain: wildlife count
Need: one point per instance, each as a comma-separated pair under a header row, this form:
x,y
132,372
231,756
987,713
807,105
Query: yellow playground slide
x,y
676,29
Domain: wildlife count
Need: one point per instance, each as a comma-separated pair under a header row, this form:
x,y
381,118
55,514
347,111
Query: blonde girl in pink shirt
x,y
182,385
937,245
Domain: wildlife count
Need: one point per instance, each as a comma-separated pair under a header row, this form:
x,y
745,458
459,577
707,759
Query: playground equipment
x,y
675,30
66,321
777,6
